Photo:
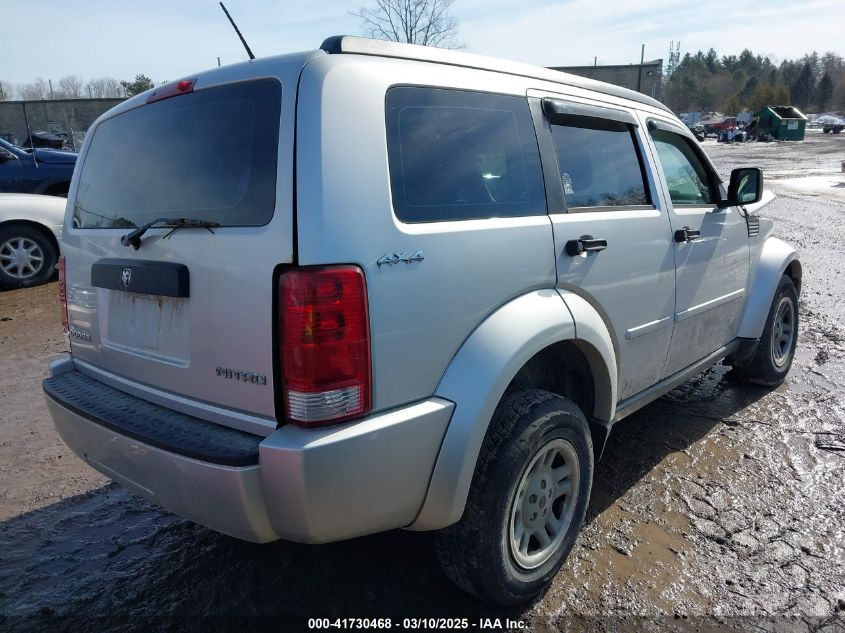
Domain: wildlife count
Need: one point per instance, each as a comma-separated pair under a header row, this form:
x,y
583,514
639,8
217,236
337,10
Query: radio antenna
x,y
237,30
29,133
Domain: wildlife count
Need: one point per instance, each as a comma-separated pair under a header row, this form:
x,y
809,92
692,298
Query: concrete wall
x,y
646,77
61,115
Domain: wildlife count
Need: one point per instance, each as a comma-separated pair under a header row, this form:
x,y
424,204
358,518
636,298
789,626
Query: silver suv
x,y
379,286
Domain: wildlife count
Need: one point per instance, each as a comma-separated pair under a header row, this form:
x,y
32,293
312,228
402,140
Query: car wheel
x,y
527,501
776,349
27,256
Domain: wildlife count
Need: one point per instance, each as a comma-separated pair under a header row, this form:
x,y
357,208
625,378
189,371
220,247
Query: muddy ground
x,y
720,506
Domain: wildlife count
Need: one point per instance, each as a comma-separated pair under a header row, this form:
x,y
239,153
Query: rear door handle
x,y
584,244
687,234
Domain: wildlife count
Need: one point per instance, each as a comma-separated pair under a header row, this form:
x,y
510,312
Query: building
x,y
646,78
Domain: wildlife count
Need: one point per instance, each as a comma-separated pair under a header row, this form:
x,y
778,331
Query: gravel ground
x,y
718,507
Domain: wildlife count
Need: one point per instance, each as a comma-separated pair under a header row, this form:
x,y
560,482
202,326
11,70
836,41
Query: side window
x,y
458,155
687,177
599,164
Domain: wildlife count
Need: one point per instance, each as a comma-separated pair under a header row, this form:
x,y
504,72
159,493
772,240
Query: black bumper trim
x,y
152,424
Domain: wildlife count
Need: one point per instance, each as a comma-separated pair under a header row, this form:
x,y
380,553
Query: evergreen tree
x,y
803,87
825,91
711,60
141,84
734,105
780,95
761,97
748,88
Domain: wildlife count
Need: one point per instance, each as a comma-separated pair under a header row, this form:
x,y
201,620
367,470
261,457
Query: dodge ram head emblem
x,y
126,277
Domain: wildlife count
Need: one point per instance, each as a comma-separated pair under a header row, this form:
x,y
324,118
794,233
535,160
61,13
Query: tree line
x,y
732,83
73,87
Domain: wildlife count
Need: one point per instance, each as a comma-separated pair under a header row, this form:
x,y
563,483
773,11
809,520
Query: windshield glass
x,y
10,146
208,155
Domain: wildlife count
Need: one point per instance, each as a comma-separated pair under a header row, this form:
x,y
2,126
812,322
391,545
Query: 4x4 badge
x,y
126,277
395,258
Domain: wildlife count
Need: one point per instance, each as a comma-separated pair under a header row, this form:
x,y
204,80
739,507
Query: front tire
x,y
527,501
27,256
776,349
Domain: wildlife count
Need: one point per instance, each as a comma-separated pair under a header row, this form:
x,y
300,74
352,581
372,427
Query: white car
x,y
30,233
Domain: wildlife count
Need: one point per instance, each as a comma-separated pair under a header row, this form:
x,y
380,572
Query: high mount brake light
x,y
172,89
324,339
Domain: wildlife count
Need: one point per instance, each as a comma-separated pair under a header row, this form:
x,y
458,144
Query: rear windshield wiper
x,y
133,238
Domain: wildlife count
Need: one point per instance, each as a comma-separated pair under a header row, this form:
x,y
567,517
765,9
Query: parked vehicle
x,y
720,127
400,287
698,131
45,139
42,171
836,128
30,231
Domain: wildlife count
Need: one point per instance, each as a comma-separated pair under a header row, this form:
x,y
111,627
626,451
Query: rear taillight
x,y
324,343
60,266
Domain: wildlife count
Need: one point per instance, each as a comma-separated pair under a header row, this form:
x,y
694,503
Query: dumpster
x,y
785,123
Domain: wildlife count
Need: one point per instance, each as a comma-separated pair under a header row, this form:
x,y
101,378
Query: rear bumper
x,y
310,486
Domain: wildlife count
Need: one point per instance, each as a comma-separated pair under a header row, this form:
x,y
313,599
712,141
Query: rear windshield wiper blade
x,y
133,238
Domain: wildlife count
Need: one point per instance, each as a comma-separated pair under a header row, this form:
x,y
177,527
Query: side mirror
x,y
746,186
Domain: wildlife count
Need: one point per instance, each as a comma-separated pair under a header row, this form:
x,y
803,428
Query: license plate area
x,y
152,326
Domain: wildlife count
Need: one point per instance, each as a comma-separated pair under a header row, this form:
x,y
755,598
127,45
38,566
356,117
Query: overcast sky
x,y
167,39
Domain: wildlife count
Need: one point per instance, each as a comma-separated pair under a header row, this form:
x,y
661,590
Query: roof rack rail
x,y
350,44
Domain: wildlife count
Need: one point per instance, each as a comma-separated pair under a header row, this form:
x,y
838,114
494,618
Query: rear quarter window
x,y
460,155
208,155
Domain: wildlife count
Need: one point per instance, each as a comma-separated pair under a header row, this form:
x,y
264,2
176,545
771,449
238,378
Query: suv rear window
x,y
458,155
209,155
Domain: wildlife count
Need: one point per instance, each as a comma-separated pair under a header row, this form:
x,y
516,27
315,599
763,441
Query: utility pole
x,y
640,69
218,62
50,82
596,60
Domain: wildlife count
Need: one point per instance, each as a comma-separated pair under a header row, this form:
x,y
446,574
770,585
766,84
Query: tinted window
x,y
686,175
209,155
458,155
599,165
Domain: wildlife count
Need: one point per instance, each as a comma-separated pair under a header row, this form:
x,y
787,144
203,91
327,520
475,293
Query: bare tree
x,y
34,91
70,87
103,88
7,91
426,22
112,88
94,89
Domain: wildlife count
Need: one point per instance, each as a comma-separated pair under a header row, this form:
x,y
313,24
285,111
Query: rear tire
x,y
27,256
534,472
776,349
